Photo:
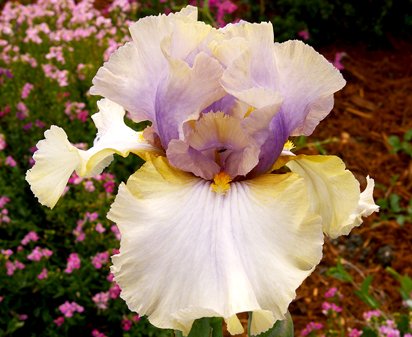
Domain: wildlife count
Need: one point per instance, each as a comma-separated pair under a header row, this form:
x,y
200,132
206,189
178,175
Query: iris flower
x,y
210,226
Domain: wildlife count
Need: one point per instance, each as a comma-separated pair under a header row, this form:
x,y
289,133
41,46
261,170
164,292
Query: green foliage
x,y
403,145
391,208
339,272
364,293
327,21
282,328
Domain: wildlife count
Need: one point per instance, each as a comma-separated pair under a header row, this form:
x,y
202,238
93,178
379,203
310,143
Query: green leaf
x,y
395,142
280,329
408,135
394,200
363,293
339,273
204,327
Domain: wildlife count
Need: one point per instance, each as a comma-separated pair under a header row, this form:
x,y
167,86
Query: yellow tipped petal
x,y
55,161
261,321
334,192
233,325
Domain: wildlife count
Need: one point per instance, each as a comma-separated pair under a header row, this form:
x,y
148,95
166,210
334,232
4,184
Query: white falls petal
x,y
187,252
334,192
56,159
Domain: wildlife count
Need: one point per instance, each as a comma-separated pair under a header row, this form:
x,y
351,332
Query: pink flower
x,y
6,252
136,318
10,161
69,308
38,253
354,333
12,267
22,111
328,307
97,333
73,262
23,317
59,320
311,326
115,231
109,186
99,259
114,291
331,292
99,228
92,216
101,299
30,236
43,275
3,199
368,315
126,324
304,34
3,143
26,90
88,186
337,61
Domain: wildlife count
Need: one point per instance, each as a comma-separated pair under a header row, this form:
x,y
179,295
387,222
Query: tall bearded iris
x,y
208,226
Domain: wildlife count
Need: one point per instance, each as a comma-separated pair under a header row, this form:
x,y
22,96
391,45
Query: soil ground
x,y
375,104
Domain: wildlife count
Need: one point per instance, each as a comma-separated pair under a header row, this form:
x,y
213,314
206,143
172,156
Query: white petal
x,y
187,252
366,207
307,82
56,159
334,192
234,326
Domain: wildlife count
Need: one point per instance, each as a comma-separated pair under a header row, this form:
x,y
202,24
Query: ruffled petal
x,y
146,72
56,159
215,255
307,82
186,92
334,192
304,78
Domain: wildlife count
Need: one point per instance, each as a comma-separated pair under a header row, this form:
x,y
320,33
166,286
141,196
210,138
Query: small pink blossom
x,y
304,35
100,259
30,236
69,308
114,291
337,62
101,299
327,307
89,186
368,315
25,92
23,317
115,231
10,161
38,253
126,324
99,228
136,318
92,216
331,292
109,186
97,333
43,275
13,266
59,320
3,143
354,333
3,201
311,326
6,252
22,111
73,262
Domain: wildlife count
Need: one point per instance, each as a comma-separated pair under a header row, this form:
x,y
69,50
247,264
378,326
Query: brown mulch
x,y
375,103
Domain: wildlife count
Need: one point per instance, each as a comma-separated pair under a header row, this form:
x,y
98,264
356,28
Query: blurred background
x,y
54,265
